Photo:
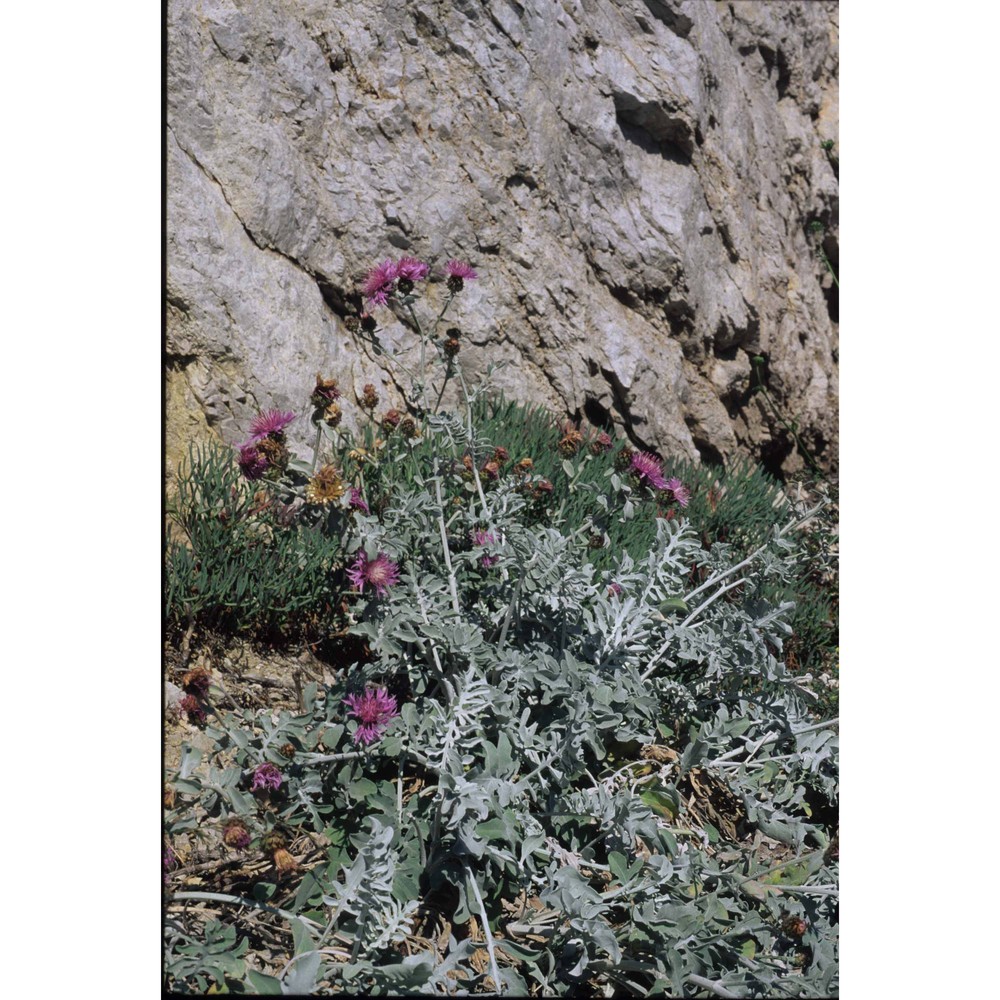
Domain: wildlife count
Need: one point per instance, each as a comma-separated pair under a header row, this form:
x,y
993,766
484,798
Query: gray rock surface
x,y
633,180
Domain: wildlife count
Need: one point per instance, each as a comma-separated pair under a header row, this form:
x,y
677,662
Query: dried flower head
x,y
491,470
501,455
600,444
325,487
266,776
378,284
287,750
595,540
253,464
275,452
326,392
369,397
794,926
196,681
408,428
524,466
358,501
332,415
623,460
451,347
390,420
381,572
569,443
680,492
284,862
353,323
191,707
374,710
273,841
649,470
273,422
236,835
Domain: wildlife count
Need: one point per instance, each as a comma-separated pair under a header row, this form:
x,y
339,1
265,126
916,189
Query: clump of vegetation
x,y
563,752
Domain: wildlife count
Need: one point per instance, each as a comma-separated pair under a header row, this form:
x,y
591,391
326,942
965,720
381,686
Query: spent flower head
x,y
381,572
235,834
374,710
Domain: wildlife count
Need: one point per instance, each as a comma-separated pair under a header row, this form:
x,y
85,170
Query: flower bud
x,y
332,415
451,347
284,862
390,420
369,398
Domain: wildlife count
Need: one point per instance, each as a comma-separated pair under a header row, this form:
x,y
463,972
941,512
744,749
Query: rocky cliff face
x,y
633,180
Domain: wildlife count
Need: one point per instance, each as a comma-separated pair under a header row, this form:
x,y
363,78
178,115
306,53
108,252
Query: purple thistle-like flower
x,y
647,467
271,422
266,776
614,589
381,572
374,710
681,493
412,269
252,463
459,269
357,501
481,538
379,282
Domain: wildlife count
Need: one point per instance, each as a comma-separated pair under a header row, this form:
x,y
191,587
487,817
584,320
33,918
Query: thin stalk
x,y
486,931
329,758
714,987
253,904
316,447
444,544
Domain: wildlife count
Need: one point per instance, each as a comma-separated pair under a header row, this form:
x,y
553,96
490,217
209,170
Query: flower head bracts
x,y
374,710
381,572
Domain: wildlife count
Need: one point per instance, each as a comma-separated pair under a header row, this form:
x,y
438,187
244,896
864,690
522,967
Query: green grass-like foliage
x,y
592,729
232,567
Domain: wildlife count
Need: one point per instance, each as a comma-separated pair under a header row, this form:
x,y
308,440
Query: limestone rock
x,y
633,180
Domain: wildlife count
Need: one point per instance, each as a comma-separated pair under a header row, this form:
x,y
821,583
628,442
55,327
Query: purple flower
x,y
459,269
271,422
266,776
681,493
614,589
481,538
358,501
381,572
374,710
412,269
647,467
252,463
169,862
379,283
